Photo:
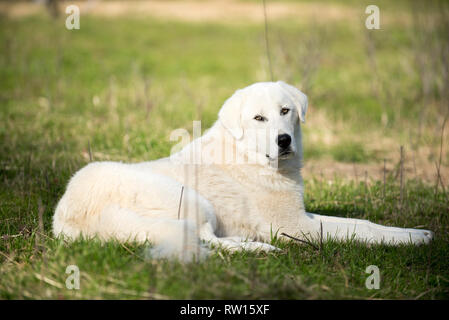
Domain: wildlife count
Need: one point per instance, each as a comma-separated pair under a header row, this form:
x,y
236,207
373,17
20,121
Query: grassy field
x,y
116,88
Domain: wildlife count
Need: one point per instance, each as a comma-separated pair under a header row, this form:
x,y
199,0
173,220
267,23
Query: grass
x,y
349,152
337,270
122,85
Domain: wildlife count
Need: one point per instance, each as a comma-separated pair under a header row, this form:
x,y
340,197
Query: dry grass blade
x,y
267,46
321,236
9,258
423,294
300,240
180,201
146,295
439,180
129,250
385,178
148,102
91,158
48,281
40,231
342,270
402,177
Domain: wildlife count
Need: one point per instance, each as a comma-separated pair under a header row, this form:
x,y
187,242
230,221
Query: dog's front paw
x,y
421,236
258,246
407,236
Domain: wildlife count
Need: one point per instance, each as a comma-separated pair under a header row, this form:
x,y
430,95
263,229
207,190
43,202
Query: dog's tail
x,y
171,238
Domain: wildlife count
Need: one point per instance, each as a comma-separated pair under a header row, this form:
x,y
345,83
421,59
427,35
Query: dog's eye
x,y
259,118
284,111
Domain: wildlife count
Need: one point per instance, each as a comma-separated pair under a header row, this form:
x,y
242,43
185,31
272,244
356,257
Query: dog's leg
x,y
171,238
124,202
363,230
232,243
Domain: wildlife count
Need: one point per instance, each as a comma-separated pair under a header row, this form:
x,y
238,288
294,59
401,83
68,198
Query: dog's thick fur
x,y
225,203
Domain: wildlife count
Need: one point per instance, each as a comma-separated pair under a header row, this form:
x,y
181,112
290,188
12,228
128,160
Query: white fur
x,y
226,204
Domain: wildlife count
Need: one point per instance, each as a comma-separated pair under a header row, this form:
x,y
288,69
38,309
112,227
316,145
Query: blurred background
x,y
136,70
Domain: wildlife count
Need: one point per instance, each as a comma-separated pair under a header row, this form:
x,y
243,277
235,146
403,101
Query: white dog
x,y
251,189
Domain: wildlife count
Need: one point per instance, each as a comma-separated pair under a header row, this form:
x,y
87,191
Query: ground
x,y
116,88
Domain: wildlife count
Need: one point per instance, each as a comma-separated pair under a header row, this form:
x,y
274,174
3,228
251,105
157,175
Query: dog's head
x,y
264,119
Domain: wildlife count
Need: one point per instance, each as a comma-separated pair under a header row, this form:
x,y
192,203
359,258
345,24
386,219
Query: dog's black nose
x,y
283,140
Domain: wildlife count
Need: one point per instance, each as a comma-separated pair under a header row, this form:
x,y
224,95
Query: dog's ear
x,y
230,114
298,98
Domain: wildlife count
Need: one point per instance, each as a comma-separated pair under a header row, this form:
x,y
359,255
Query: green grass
x,y
337,270
349,152
122,85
